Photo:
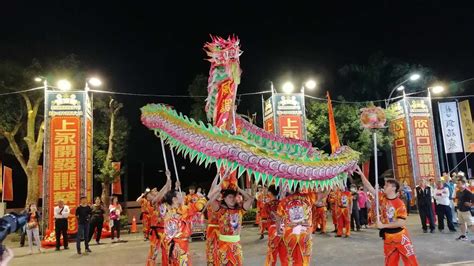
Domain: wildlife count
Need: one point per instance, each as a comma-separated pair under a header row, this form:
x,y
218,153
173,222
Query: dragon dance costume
x,y
177,221
296,214
276,246
319,215
230,224
157,236
397,243
212,234
343,212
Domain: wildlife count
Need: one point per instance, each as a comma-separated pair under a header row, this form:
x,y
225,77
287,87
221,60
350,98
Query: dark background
x,y
156,47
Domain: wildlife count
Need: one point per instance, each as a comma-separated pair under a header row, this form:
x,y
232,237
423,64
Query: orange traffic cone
x,y
134,225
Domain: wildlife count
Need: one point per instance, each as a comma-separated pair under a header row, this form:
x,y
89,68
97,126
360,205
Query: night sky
x,y
146,47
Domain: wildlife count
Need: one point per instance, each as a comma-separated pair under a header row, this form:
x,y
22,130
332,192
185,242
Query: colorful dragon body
x,y
234,143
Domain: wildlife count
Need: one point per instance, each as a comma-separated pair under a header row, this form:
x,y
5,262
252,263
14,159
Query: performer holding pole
x,y
276,246
397,242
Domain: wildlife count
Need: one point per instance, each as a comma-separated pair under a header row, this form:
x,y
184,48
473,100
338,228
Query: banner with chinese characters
x,y
466,125
89,150
448,112
425,157
268,116
414,148
67,166
65,159
289,112
224,106
401,152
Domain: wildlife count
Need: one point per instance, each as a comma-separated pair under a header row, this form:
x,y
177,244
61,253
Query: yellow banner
x,y
467,127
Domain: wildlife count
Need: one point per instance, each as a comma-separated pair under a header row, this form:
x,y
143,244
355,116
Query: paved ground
x,y
363,248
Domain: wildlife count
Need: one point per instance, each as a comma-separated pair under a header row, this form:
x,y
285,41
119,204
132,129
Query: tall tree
x,y
376,79
198,87
21,115
348,128
111,131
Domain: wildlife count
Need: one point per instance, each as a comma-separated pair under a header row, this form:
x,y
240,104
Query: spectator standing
x,y
423,200
450,184
114,215
97,220
61,213
355,219
32,227
83,215
407,192
465,202
442,207
362,202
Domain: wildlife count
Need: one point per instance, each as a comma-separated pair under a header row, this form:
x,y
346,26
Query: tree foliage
x,y
348,127
21,115
376,79
111,132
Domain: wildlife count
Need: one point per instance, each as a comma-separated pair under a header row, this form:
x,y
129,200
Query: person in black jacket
x,y
97,220
83,215
423,200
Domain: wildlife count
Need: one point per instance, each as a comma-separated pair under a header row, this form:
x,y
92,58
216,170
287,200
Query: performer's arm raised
x,y
248,199
165,188
366,182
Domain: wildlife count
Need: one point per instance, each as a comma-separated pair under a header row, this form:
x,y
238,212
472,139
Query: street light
x,y
399,87
95,82
436,89
310,84
64,85
288,87
414,77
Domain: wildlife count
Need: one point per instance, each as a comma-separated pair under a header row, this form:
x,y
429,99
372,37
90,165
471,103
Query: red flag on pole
x,y
366,168
116,186
40,180
333,138
7,184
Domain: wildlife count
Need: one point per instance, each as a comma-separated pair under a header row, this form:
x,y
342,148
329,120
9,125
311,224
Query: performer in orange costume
x,y
258,198
333,207
262,201
230,221
177,221
319,209
145,214
276,246
397,243
157,211
295,212
212,231
343,211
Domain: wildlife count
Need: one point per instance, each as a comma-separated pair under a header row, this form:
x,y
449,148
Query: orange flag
x,y
333,138
7,184
116,186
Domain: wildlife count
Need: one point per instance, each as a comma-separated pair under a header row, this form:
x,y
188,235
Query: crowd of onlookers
x,y
90,219
450,198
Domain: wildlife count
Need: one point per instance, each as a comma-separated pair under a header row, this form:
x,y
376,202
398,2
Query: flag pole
x,y
3,183
175,169
377,211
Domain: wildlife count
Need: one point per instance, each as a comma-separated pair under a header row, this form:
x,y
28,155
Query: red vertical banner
x,y
116,186
401,153
291,126
89,150
7,184
423,146
64,174
366,168
40,181
224,103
